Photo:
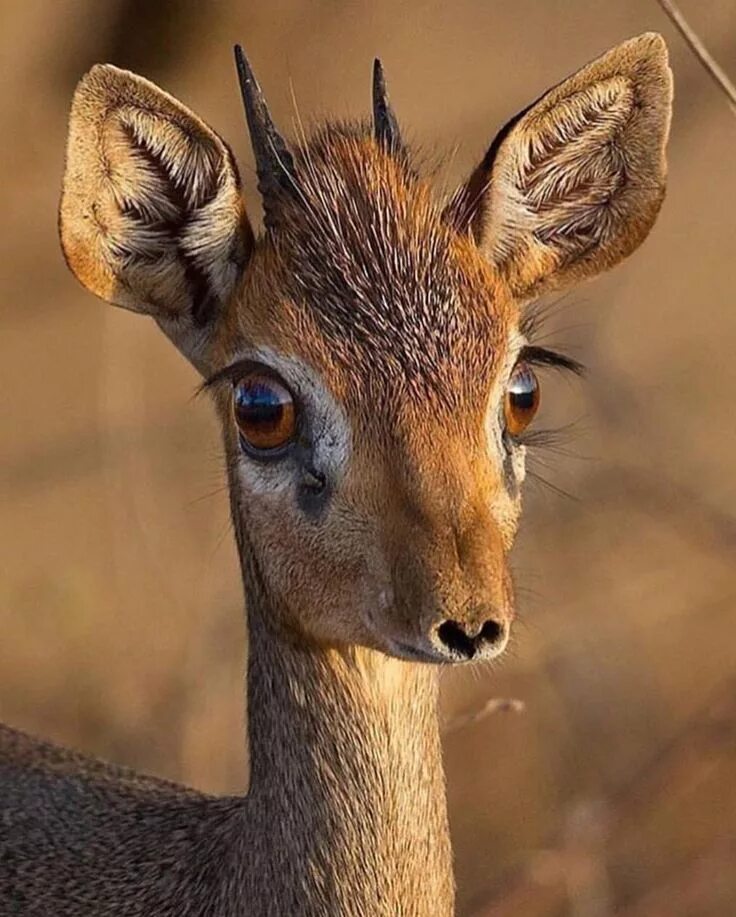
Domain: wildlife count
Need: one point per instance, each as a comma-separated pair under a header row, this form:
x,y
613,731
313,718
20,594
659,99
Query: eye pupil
x,y
264,412
522,399
258,404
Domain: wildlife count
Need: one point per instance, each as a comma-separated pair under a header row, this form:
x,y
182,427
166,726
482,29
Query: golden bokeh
x,y
614,790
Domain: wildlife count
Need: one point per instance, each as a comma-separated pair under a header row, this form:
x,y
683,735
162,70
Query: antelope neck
x,y
346,779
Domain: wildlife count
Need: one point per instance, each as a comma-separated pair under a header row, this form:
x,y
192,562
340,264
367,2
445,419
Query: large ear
x,y
151,214
572,185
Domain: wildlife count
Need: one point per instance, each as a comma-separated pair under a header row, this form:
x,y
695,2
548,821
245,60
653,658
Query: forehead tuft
x,y
386,280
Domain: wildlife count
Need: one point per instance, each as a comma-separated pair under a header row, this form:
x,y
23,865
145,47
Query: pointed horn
x,y
274,162
385,124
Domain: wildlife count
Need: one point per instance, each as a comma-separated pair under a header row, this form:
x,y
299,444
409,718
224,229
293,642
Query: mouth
x,y
418,654
436,656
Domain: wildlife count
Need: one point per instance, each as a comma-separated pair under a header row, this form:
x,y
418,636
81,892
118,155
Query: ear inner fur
x,y
572,185
151,216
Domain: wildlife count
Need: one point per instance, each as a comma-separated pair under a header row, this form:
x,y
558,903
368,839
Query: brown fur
x,y
396,320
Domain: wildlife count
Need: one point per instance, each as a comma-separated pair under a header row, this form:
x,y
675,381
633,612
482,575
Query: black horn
x,y
384,120
274,162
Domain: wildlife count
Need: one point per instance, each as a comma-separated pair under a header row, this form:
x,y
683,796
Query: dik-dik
x,y
367,358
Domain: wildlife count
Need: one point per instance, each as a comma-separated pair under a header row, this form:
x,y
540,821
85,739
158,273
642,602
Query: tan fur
x,y
394,320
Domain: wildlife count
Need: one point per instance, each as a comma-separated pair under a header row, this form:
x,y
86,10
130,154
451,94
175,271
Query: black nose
x,y
466,640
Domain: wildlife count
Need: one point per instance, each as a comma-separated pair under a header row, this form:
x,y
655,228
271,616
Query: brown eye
x,y
264,412
522,399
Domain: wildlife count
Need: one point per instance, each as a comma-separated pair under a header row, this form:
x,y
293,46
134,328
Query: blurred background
x,y
121,631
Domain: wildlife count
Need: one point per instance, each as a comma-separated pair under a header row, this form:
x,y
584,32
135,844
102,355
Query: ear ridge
x,y
151,215
562,174
573,184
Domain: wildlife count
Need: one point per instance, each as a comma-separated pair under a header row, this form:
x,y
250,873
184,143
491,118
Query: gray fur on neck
x,y
345,813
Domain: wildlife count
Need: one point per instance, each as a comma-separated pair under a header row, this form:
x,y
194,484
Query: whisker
x,y
209,495
302,136
554,488
539,313
555,439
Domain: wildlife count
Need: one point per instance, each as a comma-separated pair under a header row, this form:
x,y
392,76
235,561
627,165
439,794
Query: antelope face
x,y
374,477
366,354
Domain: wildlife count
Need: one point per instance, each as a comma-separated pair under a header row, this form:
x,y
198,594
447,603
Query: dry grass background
x,y
120,622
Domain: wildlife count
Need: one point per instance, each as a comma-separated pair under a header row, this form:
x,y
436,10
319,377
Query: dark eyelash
x,y
543,356
535,356
230,374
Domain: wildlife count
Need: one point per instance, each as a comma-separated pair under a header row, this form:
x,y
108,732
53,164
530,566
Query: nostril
x,y
463,641
491,632
454,638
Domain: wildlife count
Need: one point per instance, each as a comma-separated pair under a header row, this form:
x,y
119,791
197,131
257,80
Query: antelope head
x,y
366,352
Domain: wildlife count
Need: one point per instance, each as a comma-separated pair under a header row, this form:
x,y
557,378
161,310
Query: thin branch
x,y
494,705
711,730
672,11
